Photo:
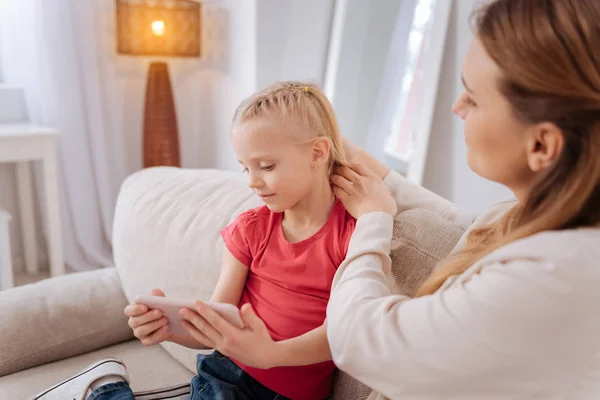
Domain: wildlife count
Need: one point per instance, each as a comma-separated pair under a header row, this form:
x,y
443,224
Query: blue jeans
x,y
218,378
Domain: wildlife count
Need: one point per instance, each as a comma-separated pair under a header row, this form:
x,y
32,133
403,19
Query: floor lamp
x,y
164,28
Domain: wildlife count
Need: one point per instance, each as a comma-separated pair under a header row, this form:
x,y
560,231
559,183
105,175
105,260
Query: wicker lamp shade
x,y
169,28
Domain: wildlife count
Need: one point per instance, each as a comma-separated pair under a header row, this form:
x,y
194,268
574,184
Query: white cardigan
x,y
522,323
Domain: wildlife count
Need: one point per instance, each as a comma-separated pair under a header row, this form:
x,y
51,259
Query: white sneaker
x,y
76,387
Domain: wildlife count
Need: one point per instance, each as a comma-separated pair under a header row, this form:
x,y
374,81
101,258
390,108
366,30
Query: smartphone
x,y
170,308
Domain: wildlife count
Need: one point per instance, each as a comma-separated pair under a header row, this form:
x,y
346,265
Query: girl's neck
x,y
314,210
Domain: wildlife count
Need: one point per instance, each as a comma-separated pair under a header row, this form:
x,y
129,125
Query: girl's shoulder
x,y
254,218
346,226
257,213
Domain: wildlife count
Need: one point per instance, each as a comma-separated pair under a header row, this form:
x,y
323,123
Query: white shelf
x,y
13,105
23,143
23,129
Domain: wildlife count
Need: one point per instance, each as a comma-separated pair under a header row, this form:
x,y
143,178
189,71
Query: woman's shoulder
x,y
556,258
570,249
494,213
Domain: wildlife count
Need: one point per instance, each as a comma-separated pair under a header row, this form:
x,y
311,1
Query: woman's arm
x,y
229,289
499,331
407,194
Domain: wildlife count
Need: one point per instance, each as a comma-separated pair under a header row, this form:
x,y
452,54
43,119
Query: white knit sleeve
x,y
507,330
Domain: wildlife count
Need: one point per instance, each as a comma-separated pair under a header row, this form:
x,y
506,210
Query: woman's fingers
x,y
349,173
341,194
361,191
361,170
342,183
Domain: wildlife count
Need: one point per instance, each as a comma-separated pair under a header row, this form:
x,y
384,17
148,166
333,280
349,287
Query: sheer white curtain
x,y
55,50
391,84
405,105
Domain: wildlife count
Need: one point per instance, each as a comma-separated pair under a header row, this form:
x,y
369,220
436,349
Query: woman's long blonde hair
x,y
549,55
300,105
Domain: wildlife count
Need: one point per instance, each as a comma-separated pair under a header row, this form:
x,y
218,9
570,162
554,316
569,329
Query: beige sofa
x,y
166,234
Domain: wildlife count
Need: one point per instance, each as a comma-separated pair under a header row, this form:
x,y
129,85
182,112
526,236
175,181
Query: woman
x,y
514,312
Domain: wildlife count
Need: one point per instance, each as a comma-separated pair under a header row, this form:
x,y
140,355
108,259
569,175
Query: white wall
x,y
292,40
447,172
365,41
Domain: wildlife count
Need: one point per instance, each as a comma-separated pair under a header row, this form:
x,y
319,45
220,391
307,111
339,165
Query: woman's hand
x,y
252,345
362,192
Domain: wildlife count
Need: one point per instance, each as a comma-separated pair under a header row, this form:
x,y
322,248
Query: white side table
x,y
6,271
22,144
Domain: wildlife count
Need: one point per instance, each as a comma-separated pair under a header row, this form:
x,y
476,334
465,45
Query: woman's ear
x,y
320,151
545,145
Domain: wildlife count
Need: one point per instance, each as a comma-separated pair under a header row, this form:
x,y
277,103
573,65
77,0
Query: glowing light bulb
x,y
158,27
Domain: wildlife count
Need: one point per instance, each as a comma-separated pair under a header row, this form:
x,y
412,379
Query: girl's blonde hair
x,y
296,103
547,51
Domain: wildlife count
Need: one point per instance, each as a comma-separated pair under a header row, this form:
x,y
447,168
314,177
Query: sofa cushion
x,y
61,317
421,239
148,367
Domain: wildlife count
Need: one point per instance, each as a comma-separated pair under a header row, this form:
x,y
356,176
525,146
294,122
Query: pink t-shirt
x,y
288,286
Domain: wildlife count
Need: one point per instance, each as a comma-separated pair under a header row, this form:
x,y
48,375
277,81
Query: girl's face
x,y
279,171
496,140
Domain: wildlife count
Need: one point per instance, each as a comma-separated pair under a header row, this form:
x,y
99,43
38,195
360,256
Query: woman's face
x,y
496,140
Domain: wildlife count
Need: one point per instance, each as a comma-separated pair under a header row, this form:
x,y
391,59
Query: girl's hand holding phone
x,y
149,326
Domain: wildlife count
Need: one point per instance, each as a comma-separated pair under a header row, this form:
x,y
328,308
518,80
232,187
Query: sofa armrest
x,y
61,317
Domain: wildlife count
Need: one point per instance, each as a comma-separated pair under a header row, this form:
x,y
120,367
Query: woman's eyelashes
x,y
469,100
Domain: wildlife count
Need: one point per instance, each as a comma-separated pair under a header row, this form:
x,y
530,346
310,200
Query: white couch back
x,y
166,233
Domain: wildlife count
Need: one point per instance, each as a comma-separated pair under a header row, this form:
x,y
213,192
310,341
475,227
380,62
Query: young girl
x,y
279,259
